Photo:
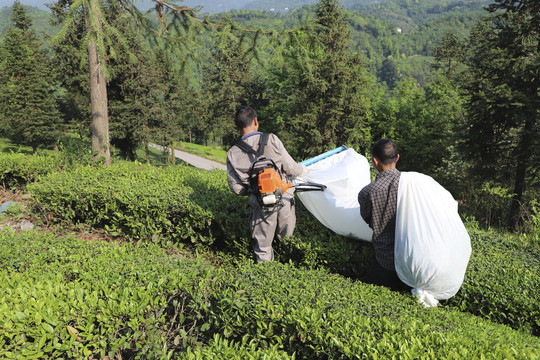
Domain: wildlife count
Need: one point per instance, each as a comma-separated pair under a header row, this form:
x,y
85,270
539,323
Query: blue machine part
x,y
323,155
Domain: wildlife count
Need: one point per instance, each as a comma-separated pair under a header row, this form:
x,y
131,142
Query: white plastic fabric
x,y
337,208
432,247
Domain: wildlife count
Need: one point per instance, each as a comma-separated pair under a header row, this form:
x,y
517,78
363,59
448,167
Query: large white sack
x,y
337,208
432,246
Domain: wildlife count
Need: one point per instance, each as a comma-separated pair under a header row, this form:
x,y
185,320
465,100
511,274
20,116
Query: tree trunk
x,y
147,152
98,101
521,170
173,155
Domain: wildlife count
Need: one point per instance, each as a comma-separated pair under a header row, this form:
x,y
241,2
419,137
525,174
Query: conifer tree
x,y
319,95
28,106
504,83
229,83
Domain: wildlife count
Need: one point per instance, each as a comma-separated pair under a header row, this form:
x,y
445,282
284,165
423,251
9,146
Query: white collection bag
x,y
337,208
432,247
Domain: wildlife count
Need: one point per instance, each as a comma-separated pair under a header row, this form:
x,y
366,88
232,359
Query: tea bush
x,y
318,315
132,200
502,282
63,298
67,298
18,170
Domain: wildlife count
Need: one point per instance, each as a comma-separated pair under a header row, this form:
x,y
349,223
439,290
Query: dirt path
x,y
195,160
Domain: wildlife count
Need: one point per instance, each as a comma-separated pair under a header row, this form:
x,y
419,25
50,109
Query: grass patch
x,y
214,153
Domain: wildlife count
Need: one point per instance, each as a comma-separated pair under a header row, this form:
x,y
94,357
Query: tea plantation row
x,y
177,205
68,298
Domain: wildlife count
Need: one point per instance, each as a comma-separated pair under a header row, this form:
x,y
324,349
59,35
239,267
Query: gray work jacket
x,y
239,163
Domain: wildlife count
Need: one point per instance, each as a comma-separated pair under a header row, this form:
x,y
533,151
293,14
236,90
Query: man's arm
x,y
236,184
290,167
364,200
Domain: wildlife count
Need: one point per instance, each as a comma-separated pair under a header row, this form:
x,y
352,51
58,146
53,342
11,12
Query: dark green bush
x,y
66,298
63,298
18,170
318,315
132,200
502,282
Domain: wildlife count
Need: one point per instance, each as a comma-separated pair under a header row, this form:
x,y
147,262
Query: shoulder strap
x,y
262,143
248,149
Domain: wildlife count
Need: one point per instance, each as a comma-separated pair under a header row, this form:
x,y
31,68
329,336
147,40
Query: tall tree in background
x,y
320,95
228,83
504,90
28,108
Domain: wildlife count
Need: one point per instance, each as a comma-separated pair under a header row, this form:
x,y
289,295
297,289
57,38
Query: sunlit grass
x,y
214,153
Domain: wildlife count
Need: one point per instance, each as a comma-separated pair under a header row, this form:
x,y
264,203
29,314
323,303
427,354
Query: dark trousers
x,y
378,275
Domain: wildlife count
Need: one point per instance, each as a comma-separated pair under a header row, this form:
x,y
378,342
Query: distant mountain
x,y
215,6
40,4
40,20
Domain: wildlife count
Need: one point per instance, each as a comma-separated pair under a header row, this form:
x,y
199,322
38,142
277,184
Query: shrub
x,y
502,282
318,315
63,298
18,170
132,200
66,298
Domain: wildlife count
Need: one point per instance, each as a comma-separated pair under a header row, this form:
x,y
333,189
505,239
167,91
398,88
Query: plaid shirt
x,y
378,205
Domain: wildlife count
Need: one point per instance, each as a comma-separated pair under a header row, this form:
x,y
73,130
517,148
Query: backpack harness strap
x,y
248,149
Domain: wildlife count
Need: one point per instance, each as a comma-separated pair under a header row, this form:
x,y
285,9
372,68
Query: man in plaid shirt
x,y
378,205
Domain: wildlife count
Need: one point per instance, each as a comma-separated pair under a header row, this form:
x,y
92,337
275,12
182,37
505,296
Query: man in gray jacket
x,y
265,222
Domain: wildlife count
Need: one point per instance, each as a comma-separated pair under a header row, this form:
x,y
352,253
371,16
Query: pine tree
x,y
229,83
503,85
319,96
29,110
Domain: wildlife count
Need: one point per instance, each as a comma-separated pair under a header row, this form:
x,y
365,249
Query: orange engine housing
x,y
270,181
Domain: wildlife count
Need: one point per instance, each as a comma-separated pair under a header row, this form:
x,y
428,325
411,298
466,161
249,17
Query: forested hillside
x,y
40,20
400,69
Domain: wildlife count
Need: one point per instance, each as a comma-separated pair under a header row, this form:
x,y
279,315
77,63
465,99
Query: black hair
x,y
244,117
385,151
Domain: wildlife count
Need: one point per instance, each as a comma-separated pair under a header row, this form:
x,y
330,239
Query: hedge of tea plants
x,y
17,170
183,204
68,298
502,281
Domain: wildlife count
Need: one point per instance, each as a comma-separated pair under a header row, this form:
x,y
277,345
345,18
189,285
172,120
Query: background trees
x,y
28,109
319,76
320,86
503,84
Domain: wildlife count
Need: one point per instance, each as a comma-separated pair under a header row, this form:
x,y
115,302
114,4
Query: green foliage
x,y
502,281
318,315
28,110
502,81
132,200
230,83
18,170
319,87
66,298
40,19
424,123
219,348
